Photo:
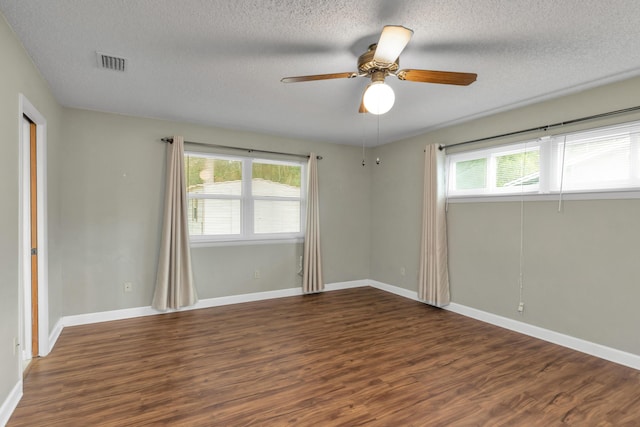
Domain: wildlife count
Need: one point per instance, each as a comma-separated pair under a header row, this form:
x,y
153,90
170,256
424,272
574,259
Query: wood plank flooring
x,y
358,357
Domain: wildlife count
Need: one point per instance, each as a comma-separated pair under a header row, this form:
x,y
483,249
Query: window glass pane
x,y
213,216
276,216
635,156
599,163
275,180
207,175
471,174
518,169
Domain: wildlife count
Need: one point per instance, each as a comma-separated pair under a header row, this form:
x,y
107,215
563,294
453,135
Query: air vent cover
x,y
110,62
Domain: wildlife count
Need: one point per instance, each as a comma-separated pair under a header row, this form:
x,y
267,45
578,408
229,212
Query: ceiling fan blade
x,y
443,77
362,108
319,77
392,42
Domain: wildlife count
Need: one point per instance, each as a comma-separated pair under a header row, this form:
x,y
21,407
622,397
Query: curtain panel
x,y
433,280
174,281
312,265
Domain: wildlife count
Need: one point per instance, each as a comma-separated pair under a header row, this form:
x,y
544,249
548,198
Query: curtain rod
x,y
248,150
544,128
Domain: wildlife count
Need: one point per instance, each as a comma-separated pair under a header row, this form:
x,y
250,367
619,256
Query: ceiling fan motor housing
x,y
366,64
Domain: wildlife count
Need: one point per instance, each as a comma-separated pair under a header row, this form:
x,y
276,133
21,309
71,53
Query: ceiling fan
x,y
382,60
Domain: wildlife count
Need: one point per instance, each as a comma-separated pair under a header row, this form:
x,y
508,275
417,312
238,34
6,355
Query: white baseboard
x,y
55,334
129,313
238,299
611,354
10,403
588,347
607,353
106,316
346,285
394,290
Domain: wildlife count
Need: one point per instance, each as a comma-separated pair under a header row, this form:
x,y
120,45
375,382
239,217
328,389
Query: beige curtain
x,y
174,280
312,270
433,281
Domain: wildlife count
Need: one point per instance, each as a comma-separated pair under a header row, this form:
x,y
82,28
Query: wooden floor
x,y
343,358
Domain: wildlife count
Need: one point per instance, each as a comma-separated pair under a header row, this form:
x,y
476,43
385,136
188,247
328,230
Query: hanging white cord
x,y
521,277
564,147
364,131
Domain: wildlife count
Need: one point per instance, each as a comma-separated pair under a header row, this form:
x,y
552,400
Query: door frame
x,y
26,108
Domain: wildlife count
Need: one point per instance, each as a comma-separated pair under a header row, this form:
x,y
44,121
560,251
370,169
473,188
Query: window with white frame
x,y
603,159
241,198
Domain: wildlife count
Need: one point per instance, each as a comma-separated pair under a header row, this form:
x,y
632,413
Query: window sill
x,y
549,197
268,241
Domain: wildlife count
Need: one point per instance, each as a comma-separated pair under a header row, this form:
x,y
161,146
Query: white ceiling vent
x,y
110,62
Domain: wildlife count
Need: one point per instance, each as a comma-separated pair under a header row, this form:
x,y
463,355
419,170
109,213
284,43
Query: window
x,y
604,159
506,170
239,198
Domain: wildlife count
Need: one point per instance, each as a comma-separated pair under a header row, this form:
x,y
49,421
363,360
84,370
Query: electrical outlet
x,y
128,287
520,307
256,274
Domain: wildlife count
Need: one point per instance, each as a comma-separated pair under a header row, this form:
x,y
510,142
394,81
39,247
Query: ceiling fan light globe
x,y
378,98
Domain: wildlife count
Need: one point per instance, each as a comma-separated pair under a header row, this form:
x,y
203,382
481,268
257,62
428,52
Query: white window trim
x,y
491,154
247,236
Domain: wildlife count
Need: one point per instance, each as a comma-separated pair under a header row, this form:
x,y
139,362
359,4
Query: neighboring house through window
x,y
232,198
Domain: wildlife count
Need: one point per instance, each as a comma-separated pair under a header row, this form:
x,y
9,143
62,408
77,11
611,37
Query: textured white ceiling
x,y
220,62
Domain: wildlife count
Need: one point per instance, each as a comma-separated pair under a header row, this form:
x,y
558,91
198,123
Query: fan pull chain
x,y
378,140
363,138
564,149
